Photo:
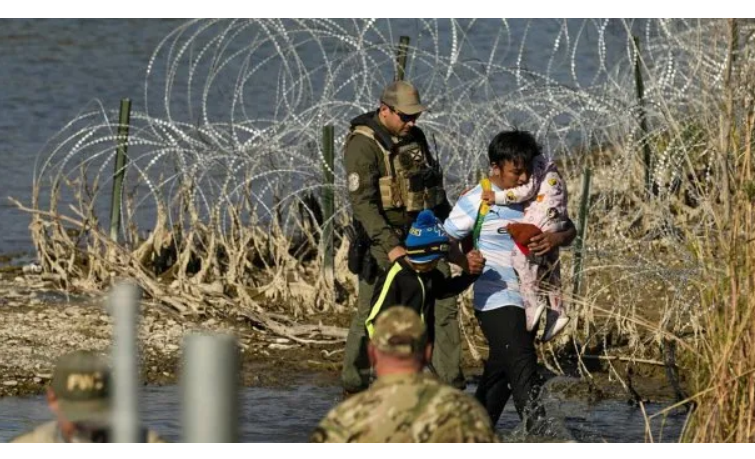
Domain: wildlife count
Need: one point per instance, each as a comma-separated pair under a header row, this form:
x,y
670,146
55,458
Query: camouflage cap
x,y
399,331
402,96
81,382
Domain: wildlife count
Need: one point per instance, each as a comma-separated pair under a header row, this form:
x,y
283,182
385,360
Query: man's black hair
x,y
519,147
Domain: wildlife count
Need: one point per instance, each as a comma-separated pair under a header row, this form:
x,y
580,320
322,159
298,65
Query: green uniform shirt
x,y
365,164
413,408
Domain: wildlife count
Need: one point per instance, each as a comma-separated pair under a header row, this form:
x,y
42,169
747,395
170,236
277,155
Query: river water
x,y
290,414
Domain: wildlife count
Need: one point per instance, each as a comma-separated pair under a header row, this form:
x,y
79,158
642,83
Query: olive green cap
x,y
399,331
81,382
402,96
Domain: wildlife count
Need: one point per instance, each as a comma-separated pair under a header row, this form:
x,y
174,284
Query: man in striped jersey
x,y
511,367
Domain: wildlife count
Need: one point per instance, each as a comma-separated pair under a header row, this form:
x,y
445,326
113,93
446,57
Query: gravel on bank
x,y
39,323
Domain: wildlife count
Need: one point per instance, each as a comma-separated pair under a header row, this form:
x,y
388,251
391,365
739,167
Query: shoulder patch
x,y
353,181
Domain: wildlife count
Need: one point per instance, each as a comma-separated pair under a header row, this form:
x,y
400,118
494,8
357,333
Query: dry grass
x,y
243,270
725,378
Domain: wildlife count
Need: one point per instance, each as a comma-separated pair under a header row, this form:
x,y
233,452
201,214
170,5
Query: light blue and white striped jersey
x,y
498,285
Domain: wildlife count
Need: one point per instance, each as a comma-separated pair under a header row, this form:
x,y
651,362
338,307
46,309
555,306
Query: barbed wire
x,y
233,110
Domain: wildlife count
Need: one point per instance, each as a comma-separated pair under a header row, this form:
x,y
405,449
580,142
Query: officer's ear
x,y
384,110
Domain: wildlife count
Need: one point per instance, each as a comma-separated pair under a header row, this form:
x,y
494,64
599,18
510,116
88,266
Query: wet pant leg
x,y
512,362
355,374
493,390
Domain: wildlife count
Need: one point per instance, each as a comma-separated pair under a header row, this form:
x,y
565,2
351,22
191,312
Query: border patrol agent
x,y
391,177
404,405
79,396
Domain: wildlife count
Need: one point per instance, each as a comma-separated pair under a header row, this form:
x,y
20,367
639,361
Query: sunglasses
x,y
404,117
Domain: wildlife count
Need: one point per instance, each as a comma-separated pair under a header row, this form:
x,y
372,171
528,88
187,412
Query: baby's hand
x,y
488,196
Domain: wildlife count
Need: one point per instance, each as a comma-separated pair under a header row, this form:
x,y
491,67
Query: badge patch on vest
x,y
353,181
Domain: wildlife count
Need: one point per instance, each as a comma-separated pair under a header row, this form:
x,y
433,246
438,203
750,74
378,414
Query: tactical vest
x,y
413,180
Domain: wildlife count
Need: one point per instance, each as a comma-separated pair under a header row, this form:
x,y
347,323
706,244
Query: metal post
x,y
328,204
401,53
120,168
124,307
640,90
210,389
580,242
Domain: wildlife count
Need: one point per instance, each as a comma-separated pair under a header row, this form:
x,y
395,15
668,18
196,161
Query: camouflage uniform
x,y
386,227
405,407
81,383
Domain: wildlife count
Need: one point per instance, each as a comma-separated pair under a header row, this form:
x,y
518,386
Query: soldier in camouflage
x,y
391,177
79,396
404,405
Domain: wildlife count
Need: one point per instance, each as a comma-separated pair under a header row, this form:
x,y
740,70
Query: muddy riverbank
x,y
39,323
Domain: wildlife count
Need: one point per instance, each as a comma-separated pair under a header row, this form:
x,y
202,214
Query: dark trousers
x,y
511,367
